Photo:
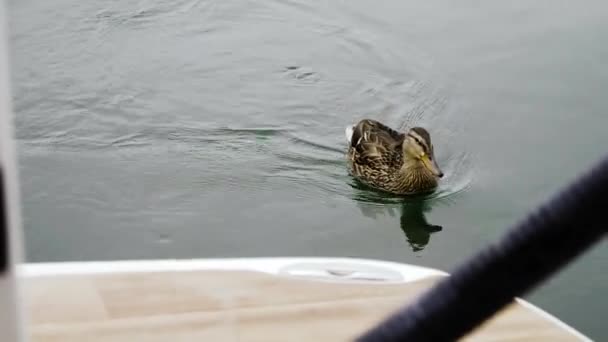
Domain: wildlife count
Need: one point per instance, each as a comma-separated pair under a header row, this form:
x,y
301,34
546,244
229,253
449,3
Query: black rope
x,y
545,241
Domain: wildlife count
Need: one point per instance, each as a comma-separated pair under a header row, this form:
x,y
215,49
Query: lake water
x,y
196,129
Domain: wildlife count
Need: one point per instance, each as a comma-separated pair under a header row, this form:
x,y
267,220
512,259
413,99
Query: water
x,y
194,129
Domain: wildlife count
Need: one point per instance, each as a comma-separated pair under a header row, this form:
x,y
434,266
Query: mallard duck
x,y
401,163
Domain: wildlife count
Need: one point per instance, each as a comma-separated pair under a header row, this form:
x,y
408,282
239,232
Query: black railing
x,y
4,254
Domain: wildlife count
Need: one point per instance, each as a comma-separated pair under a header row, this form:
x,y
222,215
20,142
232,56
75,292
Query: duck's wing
x,y
372,139
371,131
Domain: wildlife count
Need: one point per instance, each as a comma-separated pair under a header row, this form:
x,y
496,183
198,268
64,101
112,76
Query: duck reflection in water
x,y
412,219
415,226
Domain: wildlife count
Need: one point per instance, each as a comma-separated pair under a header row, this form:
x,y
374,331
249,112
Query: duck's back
x,y
371,131
374,153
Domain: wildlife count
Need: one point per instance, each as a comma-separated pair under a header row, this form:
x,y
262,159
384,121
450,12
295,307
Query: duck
x,y
401,163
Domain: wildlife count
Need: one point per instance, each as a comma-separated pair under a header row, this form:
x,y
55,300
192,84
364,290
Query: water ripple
x,y
210,97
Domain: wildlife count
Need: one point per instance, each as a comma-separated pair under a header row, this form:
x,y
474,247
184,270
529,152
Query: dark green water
x,y
196,129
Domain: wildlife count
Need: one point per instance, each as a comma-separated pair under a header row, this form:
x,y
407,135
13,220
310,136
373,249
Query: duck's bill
x,y
432,166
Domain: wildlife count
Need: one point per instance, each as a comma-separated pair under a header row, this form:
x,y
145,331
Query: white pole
x,y
11,322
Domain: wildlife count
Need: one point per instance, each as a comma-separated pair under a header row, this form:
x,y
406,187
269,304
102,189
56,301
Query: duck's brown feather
x,y
375,157
371,131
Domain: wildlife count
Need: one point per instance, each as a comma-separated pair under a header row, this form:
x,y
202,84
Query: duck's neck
x,y
416,176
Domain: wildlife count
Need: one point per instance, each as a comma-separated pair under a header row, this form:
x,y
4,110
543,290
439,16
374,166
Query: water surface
x,y
195,129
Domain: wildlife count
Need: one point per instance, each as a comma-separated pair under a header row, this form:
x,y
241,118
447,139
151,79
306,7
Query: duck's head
x,y
418,146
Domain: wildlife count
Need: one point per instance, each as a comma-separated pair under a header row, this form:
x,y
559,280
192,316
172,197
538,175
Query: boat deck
x,y
237,306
